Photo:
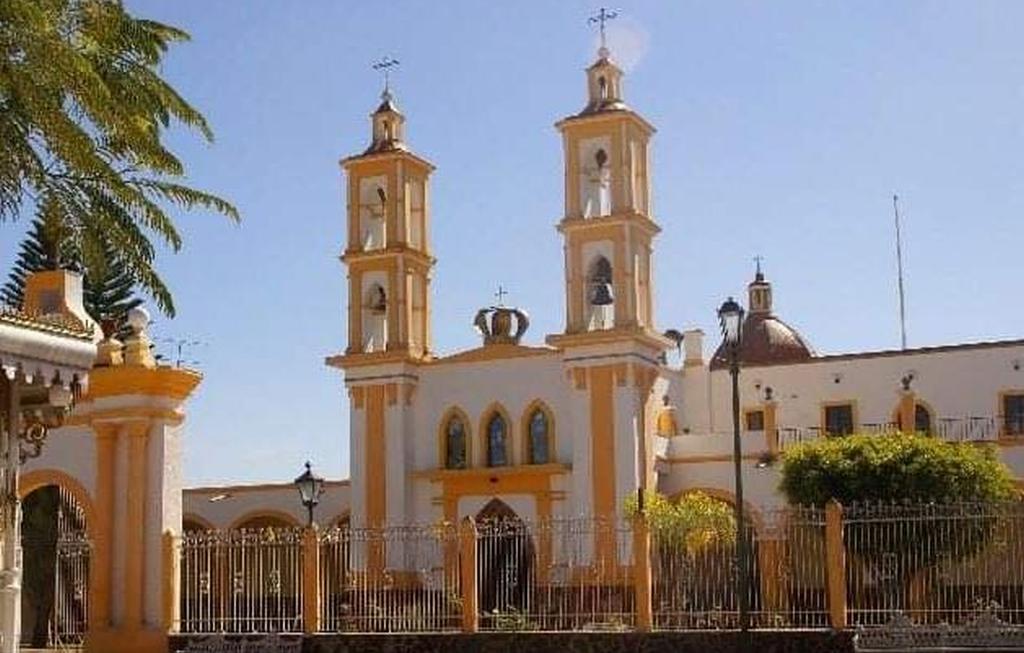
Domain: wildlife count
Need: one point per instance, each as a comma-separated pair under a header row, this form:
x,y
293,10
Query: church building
x,y
611,404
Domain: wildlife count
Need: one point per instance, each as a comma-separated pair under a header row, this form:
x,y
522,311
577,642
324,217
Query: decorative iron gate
x,y
71,591
55,554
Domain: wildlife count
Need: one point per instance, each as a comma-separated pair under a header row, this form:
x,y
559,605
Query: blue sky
x,y
784,129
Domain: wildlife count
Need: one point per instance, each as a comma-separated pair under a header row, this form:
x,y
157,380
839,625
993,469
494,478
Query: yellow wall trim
x,y
39,478
176,383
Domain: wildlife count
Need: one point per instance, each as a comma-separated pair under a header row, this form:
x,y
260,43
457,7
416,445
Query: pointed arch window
x,y
455,443
539,431
497,441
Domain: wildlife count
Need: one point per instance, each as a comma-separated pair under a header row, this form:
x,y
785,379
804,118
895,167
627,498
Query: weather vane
x,y
385,65
600,18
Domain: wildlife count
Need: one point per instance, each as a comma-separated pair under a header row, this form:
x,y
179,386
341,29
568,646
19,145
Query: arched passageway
x,y
55,581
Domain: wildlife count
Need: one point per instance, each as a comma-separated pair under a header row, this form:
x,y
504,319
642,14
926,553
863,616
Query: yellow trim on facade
x,y
33,480
100,569
602,452
709,458
494,352
135,523
171,382
376,475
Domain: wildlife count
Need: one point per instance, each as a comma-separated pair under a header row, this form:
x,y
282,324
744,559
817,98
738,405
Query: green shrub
x,y
694,521
873,468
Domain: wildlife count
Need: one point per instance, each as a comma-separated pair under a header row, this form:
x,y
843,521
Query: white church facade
x,y
607,407
573,427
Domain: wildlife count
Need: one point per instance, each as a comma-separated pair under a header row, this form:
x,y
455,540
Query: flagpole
x,y
899,269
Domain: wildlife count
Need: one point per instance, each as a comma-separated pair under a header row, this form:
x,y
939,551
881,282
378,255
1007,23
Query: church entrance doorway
x,y
55,575
505,565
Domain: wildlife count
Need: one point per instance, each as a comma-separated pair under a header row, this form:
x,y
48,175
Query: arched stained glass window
x,y
539,438
455,444
497,451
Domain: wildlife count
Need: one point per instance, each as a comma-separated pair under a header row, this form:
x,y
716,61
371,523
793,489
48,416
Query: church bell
x,y
602,294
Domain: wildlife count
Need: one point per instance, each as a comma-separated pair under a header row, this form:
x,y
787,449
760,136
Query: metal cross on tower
x,y
600,18
384,66
500,294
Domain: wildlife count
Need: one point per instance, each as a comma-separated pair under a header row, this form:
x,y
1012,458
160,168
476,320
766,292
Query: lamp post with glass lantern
x,y
310,488
730,318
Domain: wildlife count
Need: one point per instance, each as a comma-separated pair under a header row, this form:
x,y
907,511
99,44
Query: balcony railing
x,y
989,428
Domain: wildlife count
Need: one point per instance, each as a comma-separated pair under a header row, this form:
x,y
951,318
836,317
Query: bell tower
x,y
387,254
611,349
607,227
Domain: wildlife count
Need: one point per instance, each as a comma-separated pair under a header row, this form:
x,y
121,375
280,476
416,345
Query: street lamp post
x,y
310,488
730,317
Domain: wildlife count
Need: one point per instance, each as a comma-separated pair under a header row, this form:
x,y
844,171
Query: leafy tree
x,y
913,503
83,114
693,522
872,468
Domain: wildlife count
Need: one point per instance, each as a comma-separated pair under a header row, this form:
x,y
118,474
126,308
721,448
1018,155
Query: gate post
x,y
467,555
172,582
135,408
310,580
642,573
835,564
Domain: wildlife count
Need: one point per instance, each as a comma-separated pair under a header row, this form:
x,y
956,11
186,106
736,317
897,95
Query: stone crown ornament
x,y
495,325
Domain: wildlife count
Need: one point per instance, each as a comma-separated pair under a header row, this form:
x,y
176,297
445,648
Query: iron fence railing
x,y
559,575
416,589
241,581
696,586
863,565
934,563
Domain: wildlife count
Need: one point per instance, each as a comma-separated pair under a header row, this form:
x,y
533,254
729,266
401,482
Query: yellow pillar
x,y
133,407
642,574
771,427
310,580
835,564
172,586
908,406
770,554
467,551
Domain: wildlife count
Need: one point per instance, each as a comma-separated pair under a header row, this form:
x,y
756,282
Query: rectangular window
x,y
1013,414
839,419
755,420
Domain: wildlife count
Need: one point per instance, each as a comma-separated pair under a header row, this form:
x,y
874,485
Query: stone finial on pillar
x,y
138,349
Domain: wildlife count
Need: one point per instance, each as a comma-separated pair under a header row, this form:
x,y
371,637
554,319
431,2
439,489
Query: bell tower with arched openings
x,y
607,226
387,254
389,267
611,349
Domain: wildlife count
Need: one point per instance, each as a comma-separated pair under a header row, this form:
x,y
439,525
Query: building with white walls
x,y
574,427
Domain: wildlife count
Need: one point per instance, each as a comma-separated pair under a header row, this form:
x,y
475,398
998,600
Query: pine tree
x,y
108,292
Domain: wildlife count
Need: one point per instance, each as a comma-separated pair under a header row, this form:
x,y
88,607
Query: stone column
x,y
135,408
